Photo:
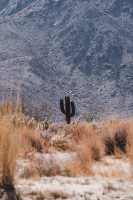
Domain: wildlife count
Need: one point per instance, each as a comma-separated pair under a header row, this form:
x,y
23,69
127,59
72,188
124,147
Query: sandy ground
x,y
77,188
112,180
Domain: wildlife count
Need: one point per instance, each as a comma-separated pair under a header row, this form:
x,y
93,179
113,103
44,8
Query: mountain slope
x,y
50,48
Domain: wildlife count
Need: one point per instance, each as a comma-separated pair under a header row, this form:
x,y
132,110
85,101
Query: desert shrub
x,y
117,142
45,124
44,167
88,117
120,140
109,145
21,120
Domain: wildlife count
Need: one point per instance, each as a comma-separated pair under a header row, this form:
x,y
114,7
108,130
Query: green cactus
x,y
68,109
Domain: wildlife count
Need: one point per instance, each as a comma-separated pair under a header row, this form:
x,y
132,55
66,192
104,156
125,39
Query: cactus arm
x,y
72,109
62,106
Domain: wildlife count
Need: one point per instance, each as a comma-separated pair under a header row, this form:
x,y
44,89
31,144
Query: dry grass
x,y
115,133
9,142
87,141
88,147
15,141
120,131
40,168
33,141
8,152
51,167
90,141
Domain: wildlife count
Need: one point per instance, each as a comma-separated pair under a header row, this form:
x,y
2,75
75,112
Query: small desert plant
x,y
45,124
88,117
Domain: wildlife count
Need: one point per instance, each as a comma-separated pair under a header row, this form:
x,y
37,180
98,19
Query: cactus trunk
x,y
68,109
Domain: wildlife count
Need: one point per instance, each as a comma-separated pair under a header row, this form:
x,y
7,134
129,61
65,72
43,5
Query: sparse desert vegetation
x,y
32,150
71,64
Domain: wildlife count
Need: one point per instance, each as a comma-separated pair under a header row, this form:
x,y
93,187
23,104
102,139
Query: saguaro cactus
x,y
68,109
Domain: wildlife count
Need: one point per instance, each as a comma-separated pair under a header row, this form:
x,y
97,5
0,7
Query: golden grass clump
x,y
118,136
18,139
9,143
86,142
92,142
15,140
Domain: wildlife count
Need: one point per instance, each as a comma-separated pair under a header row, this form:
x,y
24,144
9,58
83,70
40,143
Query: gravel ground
x,y
78,188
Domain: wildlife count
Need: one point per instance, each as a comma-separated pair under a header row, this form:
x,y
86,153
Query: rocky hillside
x,y
83,48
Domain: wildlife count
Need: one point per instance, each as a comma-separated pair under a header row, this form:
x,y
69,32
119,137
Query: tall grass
x,y
92,142
9,143
17,139
8,151
87,145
